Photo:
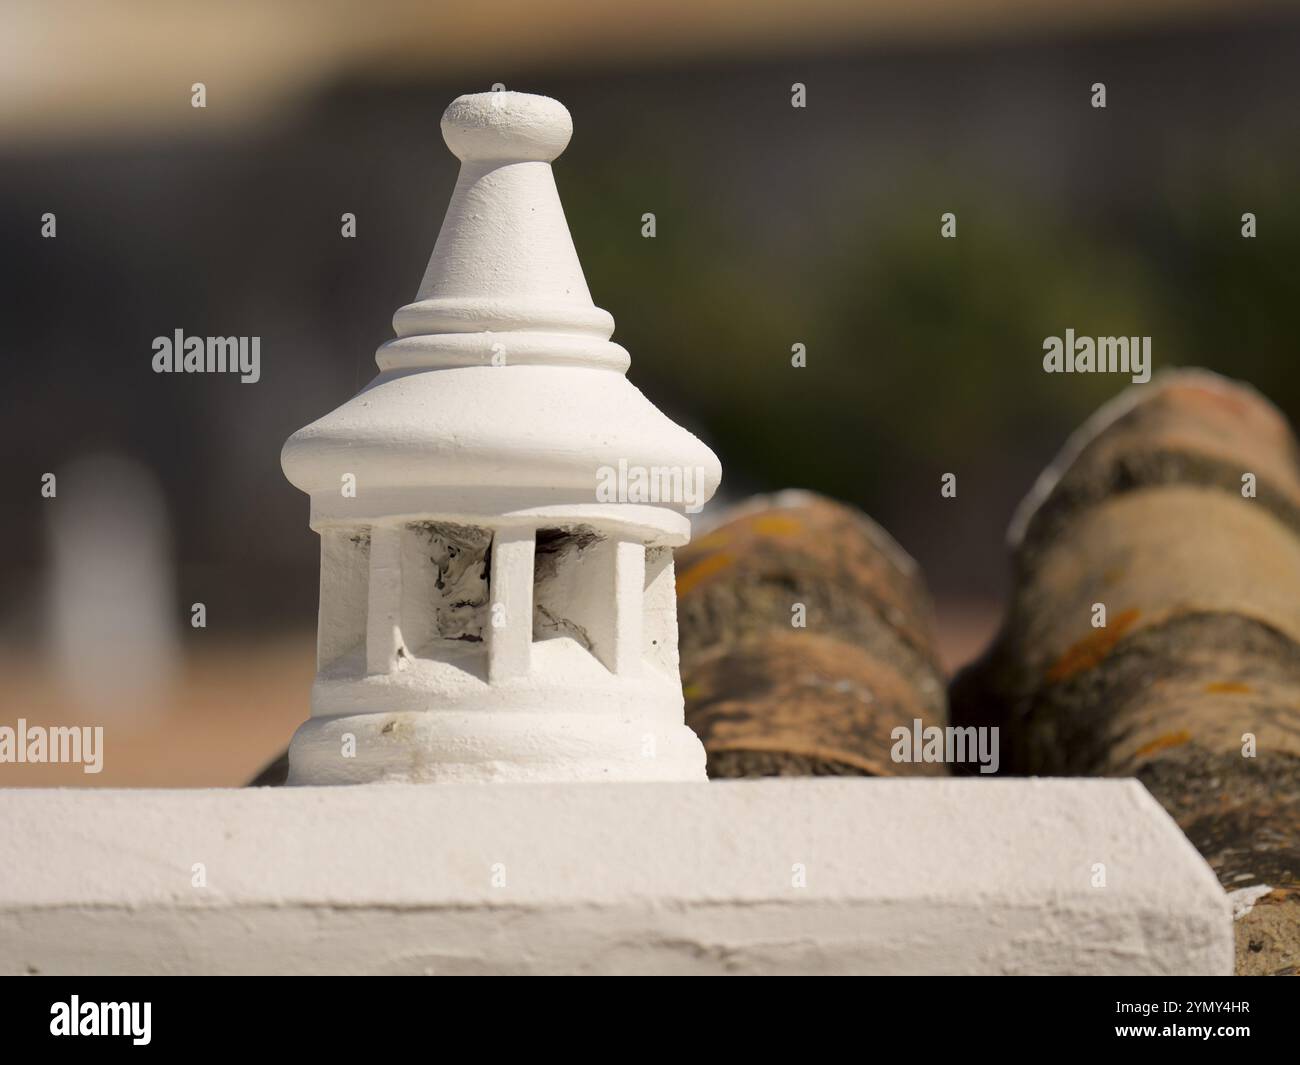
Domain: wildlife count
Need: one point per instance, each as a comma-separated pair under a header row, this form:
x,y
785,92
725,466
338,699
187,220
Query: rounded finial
x,y
514,126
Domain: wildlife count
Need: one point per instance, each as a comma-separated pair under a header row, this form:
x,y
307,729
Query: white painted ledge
x,y
956,876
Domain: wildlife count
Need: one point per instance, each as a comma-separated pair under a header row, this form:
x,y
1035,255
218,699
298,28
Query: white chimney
x,y
497,510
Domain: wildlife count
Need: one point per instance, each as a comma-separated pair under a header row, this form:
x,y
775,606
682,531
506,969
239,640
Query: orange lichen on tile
x,y
1093,648
719,538
777,525
702,571
1163,743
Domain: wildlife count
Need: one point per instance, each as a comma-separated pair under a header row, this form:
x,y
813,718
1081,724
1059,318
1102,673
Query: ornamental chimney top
x,y
498,508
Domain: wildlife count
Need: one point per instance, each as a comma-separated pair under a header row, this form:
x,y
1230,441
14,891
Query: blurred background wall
x,y
775,225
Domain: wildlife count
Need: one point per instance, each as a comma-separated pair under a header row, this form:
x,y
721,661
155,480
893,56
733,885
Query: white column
x,y
510,614
629,606
384,603
344,590
659,627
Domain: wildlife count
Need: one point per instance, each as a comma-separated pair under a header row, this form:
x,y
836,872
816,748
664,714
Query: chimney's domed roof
x,y
502,391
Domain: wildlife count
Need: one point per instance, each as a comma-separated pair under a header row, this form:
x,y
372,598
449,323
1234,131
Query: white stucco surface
x,y
954,876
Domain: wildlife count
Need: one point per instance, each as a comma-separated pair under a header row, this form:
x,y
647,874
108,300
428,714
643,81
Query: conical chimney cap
x,y
502,392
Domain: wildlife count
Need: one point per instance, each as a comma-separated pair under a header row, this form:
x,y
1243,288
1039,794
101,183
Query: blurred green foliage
x,y
925,351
